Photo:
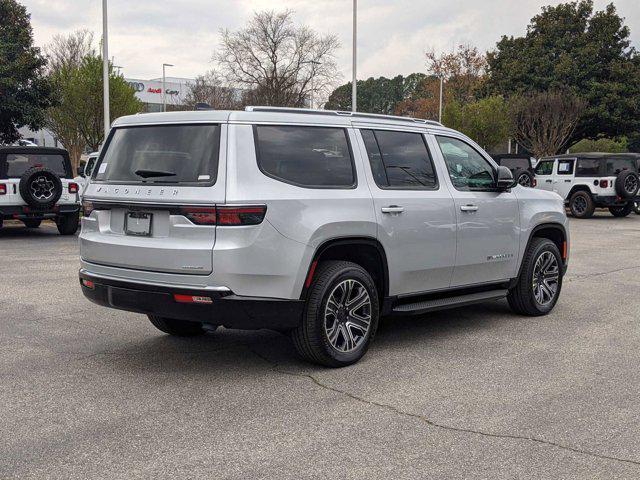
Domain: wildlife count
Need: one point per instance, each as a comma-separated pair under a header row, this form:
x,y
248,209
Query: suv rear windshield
x,y
515,163
615,165
15,164
163,154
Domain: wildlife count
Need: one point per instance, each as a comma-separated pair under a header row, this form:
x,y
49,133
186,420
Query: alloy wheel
x,y
524,180
347,315
42,188
631,184
580,205
546,275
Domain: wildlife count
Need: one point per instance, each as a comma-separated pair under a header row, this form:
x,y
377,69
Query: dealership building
x,y
150,92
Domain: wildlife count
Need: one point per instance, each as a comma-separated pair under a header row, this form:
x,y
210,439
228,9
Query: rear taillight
x,y
3,189
604,183
226,216
200,215
87,207
535,183
251,215
73,188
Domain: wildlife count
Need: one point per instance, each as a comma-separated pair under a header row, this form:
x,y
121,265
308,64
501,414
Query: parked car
x,y
310,222
36,183
587,181
84,172
520,165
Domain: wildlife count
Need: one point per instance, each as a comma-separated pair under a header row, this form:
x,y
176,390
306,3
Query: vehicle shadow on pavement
x,y
46,231
248,352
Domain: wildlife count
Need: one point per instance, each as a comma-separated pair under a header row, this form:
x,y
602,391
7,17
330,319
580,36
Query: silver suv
x,y
310,222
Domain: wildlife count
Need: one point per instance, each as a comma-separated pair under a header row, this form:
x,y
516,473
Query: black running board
x,y
448,302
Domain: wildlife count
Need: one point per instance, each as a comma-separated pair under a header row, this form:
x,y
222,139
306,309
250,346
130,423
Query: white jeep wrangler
x,y
36,183
592,180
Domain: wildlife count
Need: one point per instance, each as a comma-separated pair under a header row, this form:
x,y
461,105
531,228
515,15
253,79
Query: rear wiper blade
x,y
154,173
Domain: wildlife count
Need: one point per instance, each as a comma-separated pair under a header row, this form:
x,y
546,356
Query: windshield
x,y
16,164
161,154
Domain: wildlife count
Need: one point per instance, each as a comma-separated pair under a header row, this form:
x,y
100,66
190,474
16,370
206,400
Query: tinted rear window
x,y
15,164
516,163
399,160
588,167
615,165
305,156
184,154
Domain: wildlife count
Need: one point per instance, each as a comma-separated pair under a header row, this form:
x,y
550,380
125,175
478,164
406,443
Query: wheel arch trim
x,y
346,241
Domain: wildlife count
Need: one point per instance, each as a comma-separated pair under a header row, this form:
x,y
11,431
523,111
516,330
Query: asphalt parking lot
x,y
476,392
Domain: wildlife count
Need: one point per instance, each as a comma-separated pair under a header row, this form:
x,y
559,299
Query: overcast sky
x,y
392,35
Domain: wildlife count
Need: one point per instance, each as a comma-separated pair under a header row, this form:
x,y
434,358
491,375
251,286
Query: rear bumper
x,y
226,308
610,201
24,212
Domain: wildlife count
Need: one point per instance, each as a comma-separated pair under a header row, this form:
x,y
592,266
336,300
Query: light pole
x,y
440,107
164,89
354,86
105,70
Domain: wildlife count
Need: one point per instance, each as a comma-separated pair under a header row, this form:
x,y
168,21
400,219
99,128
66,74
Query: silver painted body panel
x,y
432,245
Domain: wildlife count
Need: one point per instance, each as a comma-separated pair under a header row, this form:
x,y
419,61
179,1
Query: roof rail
x,y
342,113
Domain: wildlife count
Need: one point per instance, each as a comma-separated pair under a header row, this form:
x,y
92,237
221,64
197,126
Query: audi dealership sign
x,y
150,91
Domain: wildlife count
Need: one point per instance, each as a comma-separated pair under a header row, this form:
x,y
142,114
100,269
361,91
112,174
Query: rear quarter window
x,y
305,156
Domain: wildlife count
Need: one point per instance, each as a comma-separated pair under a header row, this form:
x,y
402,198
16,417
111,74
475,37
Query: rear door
x,y
488,220
152,198
414,210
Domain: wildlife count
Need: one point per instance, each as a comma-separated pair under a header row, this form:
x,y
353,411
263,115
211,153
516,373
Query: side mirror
x,y
505,178
81,171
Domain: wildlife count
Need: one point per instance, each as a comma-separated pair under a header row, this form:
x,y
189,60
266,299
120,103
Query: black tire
x,y
311,338
32,223
40,188
636,208
581,204
178,328
627,184
522,298
68,223
524,178
622,211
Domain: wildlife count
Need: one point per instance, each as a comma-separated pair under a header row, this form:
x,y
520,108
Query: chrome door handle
x,y
469,208
392,209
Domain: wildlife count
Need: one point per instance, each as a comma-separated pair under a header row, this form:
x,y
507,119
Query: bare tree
x,y
543,122
68,51
66,54
277,62
211,89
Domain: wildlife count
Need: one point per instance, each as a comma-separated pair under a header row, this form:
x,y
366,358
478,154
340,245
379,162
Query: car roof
x,y
595,156
277,115
36,150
